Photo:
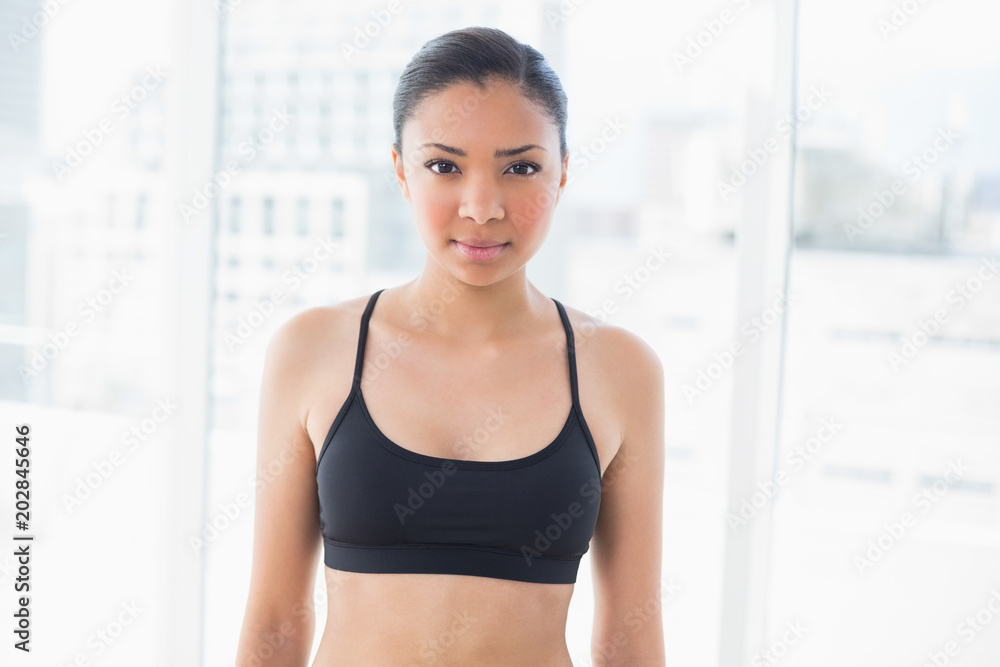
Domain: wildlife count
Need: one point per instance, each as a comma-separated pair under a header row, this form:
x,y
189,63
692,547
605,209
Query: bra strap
x,y
363,336
571,350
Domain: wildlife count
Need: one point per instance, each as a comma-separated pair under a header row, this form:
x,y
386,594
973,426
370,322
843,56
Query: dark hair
x,y
478,55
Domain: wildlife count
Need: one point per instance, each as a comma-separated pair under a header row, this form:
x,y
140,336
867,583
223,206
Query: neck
x,y
438,302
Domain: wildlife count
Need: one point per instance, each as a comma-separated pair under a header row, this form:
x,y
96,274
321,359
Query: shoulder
x,y
317,327
309,347
614,348
630,372
312,338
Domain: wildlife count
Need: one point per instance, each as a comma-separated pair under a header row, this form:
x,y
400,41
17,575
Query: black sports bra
x,y
384,508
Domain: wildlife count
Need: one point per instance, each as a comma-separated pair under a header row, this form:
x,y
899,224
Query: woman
x,y
411,434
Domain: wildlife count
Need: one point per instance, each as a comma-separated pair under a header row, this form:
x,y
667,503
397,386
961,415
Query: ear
x,y
562,179
397,163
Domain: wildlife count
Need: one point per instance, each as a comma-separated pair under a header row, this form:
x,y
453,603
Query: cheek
x,y
532,206
433,209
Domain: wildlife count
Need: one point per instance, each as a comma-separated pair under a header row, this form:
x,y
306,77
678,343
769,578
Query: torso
x,y
395,620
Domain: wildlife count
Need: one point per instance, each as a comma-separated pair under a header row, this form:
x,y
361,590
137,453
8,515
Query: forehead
x,y
463,113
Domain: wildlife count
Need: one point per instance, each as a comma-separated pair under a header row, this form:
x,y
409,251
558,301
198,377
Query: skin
x,y
498,341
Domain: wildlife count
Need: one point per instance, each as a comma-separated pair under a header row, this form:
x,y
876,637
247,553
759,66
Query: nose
x,y
482,200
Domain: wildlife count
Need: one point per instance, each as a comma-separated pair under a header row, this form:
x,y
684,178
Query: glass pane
x,y
886,526
86,351
676,98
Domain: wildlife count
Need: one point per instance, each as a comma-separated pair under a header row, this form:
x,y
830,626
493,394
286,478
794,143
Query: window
x,y
337,219
234,215
268,216
302,217
140,211
889,341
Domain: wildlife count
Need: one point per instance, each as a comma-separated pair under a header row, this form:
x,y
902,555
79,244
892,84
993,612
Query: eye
x,y
453,169
430,165
529,165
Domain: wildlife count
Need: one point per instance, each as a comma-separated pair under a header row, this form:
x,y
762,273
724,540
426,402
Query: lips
x,y
479,243
480,252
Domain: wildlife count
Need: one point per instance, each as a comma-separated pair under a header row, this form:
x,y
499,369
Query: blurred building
x,y
20,127
286,240
94,278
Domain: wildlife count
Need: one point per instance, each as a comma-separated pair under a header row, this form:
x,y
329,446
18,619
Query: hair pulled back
x,y
478,55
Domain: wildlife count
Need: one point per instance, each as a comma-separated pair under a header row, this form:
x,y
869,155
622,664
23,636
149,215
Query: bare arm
x,y
628,540
279,622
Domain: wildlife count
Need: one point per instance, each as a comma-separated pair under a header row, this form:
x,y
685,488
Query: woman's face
x,y
481,167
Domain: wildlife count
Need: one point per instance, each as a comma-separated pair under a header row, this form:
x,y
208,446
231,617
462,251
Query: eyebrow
x,y
500,152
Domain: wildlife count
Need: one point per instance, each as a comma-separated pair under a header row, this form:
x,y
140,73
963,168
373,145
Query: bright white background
x,y
823,553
